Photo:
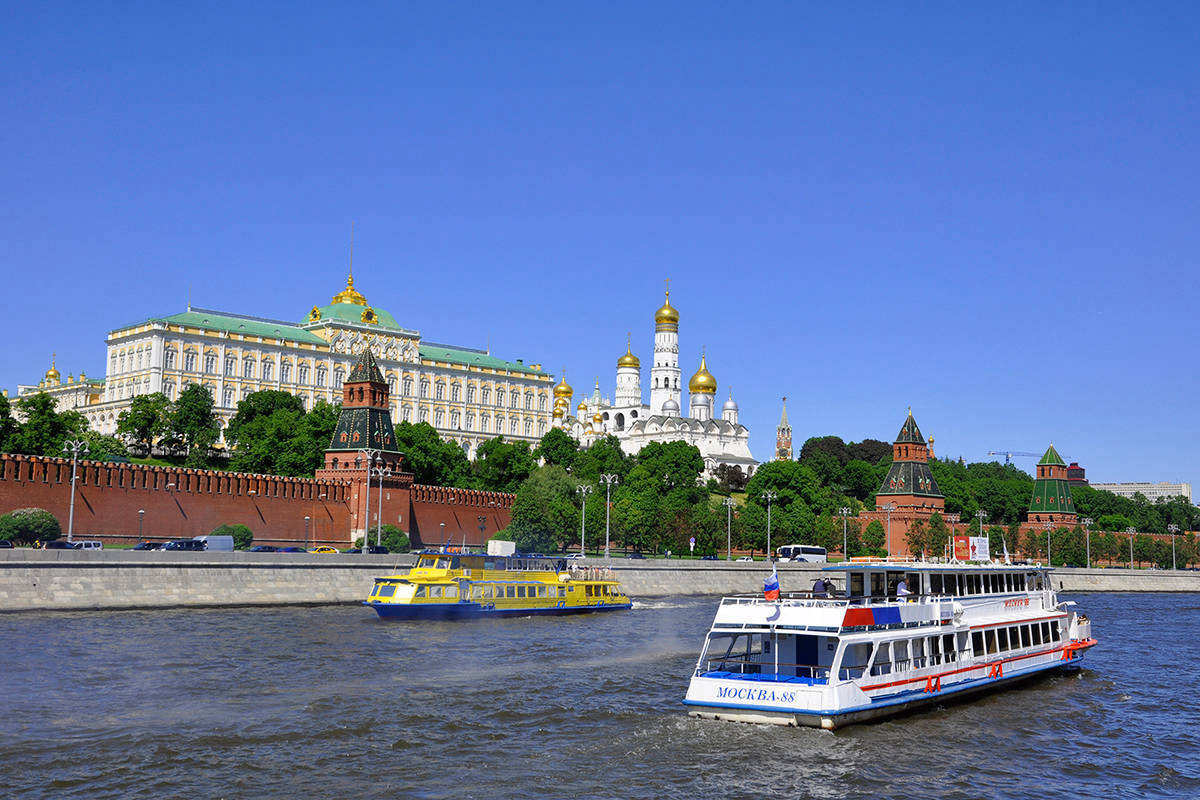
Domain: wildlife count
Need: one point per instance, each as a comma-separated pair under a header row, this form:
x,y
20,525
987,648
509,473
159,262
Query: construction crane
x,y
1008,454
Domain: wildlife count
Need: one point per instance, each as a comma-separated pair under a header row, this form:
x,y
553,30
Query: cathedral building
x,y
468,395
720,438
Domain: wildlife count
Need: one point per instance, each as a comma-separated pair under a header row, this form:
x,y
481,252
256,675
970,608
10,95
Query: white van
x,y
803,553
222,544
90,545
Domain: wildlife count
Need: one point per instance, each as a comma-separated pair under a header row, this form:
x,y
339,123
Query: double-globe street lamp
x,y
1087,540
1130,530
75,447
584,490
367,455
1173,529
769,496
609,480
381,471
728,503
845,512
888,509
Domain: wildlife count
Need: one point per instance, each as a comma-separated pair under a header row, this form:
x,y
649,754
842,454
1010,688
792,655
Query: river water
x,y
332,702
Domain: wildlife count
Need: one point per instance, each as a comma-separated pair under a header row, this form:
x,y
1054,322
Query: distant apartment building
x,y
1151,491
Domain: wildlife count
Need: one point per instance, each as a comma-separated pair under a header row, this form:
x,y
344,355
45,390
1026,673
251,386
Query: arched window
x,y
440,390
470,422
302,374
484,421
424,389
454,392
514,400
439,419
248,368
210,363
470,394
541,429
408,387
407,414
485,395
528,428
512,427
391,380
541,402
267,369
285,372
339,377
453,419
227,398
320,376
230,365
424,415
528,401
169,389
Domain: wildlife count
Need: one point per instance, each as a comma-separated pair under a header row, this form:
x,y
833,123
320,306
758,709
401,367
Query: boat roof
x,y
930,566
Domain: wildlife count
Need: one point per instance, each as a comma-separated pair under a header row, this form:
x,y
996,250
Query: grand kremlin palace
x,y
468,395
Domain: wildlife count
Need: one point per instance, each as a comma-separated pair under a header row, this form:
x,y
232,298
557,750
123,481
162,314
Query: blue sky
x,y
986,213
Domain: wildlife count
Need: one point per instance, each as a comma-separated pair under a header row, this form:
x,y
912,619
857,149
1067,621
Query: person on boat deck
x,y
902,588
820,588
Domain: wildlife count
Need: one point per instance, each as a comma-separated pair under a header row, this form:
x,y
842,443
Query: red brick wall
x,y
181,503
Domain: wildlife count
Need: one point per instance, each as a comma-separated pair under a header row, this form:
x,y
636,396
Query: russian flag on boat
x,y
771,585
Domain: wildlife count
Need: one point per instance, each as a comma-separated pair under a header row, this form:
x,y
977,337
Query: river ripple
x,y
331,702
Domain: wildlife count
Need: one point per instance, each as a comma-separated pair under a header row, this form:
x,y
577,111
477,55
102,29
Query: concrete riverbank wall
x,y
113,579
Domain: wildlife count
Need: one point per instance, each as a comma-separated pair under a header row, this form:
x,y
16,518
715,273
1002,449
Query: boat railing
x,y
781,671
811,600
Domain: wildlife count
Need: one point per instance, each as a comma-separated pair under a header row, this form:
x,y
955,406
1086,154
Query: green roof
x,y
353,312
909,478
473,358
910,433
1052,458
235,323
1052,495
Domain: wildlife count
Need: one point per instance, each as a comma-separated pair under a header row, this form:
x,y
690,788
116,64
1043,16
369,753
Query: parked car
x,y
89,545
708,558
148,546
576,555
372,548
59,544
290,550
324,548
263,548
6,544
744,558
184,544
636,555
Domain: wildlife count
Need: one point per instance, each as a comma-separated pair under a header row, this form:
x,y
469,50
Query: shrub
x,y
243,537
392,538
29,525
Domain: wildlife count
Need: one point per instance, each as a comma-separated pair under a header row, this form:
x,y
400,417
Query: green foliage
x,y
544,516
44,430
501,466
874,539
271,434
29,525
193,424
432,461
605,457
146,420
557,447
394,539
243,537
8,424
105,448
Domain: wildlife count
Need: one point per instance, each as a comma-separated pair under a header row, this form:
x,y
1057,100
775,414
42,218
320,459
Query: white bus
x,y
802,552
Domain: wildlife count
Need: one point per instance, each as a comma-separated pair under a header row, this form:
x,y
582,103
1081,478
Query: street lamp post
x,y
306,521
1131,532
482,529
1087,541
141,516
889,508
584,490
75,447
368,455
609,480
953,520
1049,526
769,496
845,512
1173,529
728,502
381,472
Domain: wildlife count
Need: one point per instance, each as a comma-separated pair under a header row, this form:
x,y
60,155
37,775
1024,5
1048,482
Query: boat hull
x,y
882,708
469,611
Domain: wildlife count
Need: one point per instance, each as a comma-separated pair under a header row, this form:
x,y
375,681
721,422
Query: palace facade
x,y
467,394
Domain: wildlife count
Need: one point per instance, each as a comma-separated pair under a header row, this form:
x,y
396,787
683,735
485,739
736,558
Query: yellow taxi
x,y
324,548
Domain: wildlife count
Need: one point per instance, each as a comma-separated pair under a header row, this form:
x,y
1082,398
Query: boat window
x,y
935,583
882,663
420,591
1055,631
951,583
435,591
989,636
934,646
856,584
1002,639
451,591
855,659
1024,636
509,591
878,584
387,590
1045,626
917,647
900,655
948,646
1037,634
977,643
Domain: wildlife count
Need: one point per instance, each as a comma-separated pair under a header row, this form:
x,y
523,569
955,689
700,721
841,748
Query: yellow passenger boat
x,y
447,584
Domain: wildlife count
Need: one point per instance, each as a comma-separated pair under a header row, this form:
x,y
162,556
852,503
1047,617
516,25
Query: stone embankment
x,y
107,579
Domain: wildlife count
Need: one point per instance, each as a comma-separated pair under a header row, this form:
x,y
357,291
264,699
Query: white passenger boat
x,y
862,653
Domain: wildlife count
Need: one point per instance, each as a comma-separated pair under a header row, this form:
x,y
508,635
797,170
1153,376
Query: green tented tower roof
x,y
910,433
1052,458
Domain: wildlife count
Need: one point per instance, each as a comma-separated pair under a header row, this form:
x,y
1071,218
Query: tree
x,y
272,434
873,538
501,466
45,430
544,516
432,461
8,425
243,537
258,405
29,525
557,447
146,420
104,448
193,425
605,457
915,537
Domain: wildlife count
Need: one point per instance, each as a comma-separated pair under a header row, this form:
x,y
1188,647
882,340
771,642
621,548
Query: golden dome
x,y
349,294
629,359
581,407
703,381
596,418
563,389
52,376
667,315
559,411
